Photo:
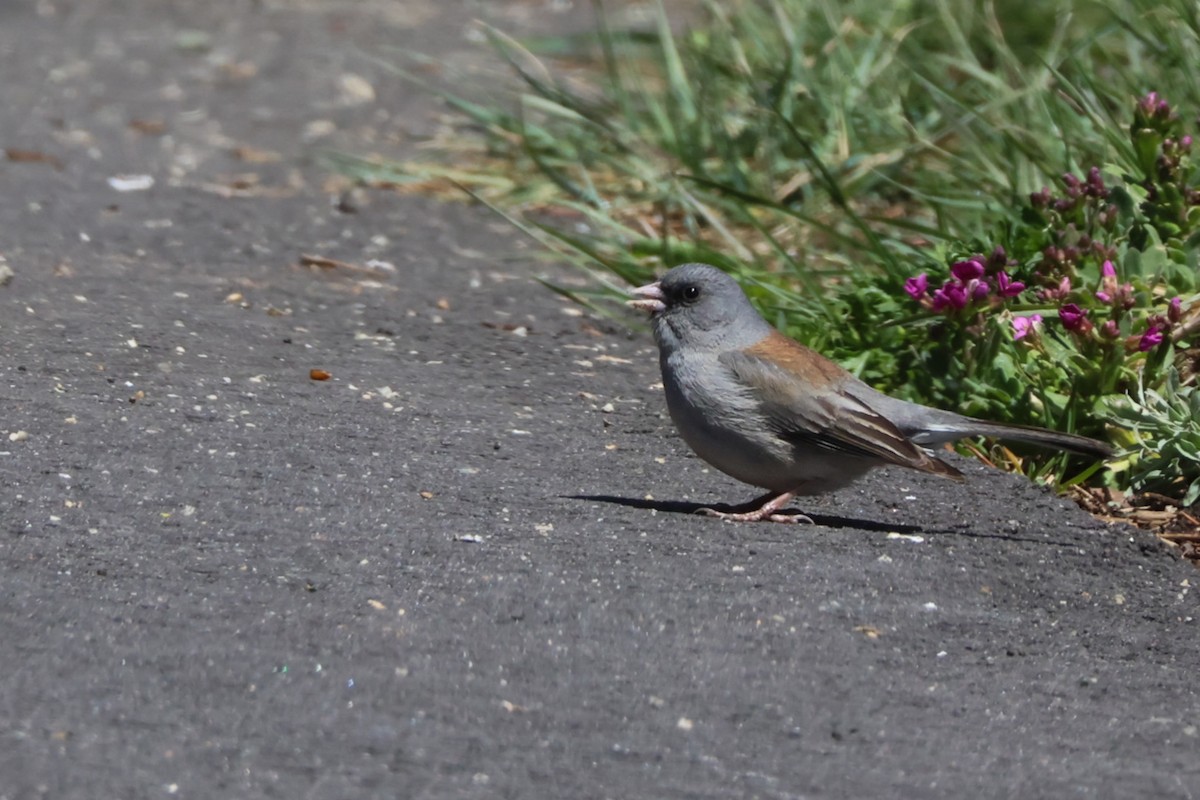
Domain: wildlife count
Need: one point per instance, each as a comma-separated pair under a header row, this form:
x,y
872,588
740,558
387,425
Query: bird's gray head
x,y
698,306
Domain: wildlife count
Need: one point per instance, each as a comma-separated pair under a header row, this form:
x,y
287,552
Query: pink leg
x,y
764,508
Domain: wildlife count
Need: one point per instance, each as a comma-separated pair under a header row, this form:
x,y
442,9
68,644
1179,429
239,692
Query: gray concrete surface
x,y
437,574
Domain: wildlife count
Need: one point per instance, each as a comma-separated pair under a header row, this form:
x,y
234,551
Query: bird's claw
x,y
758,515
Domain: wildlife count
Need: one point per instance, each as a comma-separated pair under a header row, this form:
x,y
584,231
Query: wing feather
x,y
831,420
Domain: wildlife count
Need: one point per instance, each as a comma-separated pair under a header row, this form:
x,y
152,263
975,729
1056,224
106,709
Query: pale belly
x,y
732,436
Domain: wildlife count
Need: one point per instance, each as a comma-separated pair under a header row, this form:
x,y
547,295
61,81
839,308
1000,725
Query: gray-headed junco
x,y
773,413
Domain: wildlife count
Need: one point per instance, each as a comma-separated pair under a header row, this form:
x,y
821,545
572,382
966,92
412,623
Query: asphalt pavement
x,y
314,494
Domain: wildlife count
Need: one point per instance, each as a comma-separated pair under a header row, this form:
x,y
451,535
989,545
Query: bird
x,y
771,412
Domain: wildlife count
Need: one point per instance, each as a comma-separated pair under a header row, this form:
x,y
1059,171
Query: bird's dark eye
x,y
690,293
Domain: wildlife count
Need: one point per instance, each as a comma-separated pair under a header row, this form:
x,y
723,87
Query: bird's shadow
x,y
680,507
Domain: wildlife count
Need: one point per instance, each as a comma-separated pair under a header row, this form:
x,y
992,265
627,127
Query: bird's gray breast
x,y
721,421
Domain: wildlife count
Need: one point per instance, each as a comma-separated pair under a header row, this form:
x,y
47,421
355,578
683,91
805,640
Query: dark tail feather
x,y
1043,437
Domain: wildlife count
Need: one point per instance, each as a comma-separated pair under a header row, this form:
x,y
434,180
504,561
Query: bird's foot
x,y
756,516
765,508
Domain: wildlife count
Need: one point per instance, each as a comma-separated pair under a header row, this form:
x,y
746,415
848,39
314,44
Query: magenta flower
x,y
969,283
1108,270
1006,286
1023,326
967,270
951,295
1072,316
1152,338
917,286
978,290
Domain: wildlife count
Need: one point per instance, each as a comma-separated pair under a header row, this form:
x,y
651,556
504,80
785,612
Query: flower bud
x,y
1072,316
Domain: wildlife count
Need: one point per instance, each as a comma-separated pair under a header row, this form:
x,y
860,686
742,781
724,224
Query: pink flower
x,y
1152,338
1063,289
916,287
1006,286
1023,326
951,295
1072,316
967,270
1108,283
966,285
1152,106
